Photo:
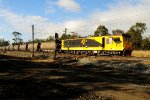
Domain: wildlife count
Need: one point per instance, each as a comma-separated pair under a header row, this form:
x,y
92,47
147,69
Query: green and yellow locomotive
x,y
101,45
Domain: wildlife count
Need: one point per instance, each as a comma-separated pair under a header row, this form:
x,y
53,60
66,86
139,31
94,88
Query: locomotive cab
x,y
113,43
127,44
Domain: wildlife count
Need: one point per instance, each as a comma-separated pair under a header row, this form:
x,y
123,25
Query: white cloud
x,y
125,14
122,15
50,10
1,37
50,7
69,5
23,23
75,24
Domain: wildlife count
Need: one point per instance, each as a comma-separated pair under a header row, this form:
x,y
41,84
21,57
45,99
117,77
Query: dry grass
x,y
141,53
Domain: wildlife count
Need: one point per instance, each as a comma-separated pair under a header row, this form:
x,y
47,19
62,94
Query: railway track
x,y
73,56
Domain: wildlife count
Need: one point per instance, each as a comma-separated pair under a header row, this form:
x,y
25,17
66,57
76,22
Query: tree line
x,y
135,31
4,42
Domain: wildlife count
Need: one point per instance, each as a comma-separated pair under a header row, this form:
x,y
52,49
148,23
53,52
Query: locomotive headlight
x,y
94,51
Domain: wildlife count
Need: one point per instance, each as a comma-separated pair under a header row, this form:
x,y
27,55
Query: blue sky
x,y
40,7
81,16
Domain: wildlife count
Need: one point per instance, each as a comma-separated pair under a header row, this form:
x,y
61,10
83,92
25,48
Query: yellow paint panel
x,y
111,45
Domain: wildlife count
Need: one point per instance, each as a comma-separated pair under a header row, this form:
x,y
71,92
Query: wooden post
x,y
33,40
56,46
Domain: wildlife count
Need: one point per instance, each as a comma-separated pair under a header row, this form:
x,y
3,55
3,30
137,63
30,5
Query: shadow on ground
x,y
62,79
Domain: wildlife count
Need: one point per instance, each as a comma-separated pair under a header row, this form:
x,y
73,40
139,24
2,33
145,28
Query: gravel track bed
x,y
73,77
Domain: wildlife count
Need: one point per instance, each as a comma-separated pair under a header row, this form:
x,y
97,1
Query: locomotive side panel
x,y
93,43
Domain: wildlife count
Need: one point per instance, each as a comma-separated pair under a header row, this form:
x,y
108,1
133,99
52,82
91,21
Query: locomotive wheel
x,y
74,52
121,53
77,52
81,52
86,53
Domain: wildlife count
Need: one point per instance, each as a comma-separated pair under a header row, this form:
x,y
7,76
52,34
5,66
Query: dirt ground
x,y
73,77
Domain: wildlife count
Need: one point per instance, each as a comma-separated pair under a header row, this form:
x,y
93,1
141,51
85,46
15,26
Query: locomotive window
x,y
109,41
117,40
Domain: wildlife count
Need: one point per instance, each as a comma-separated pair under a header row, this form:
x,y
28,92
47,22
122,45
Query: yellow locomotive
x,y
101,45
